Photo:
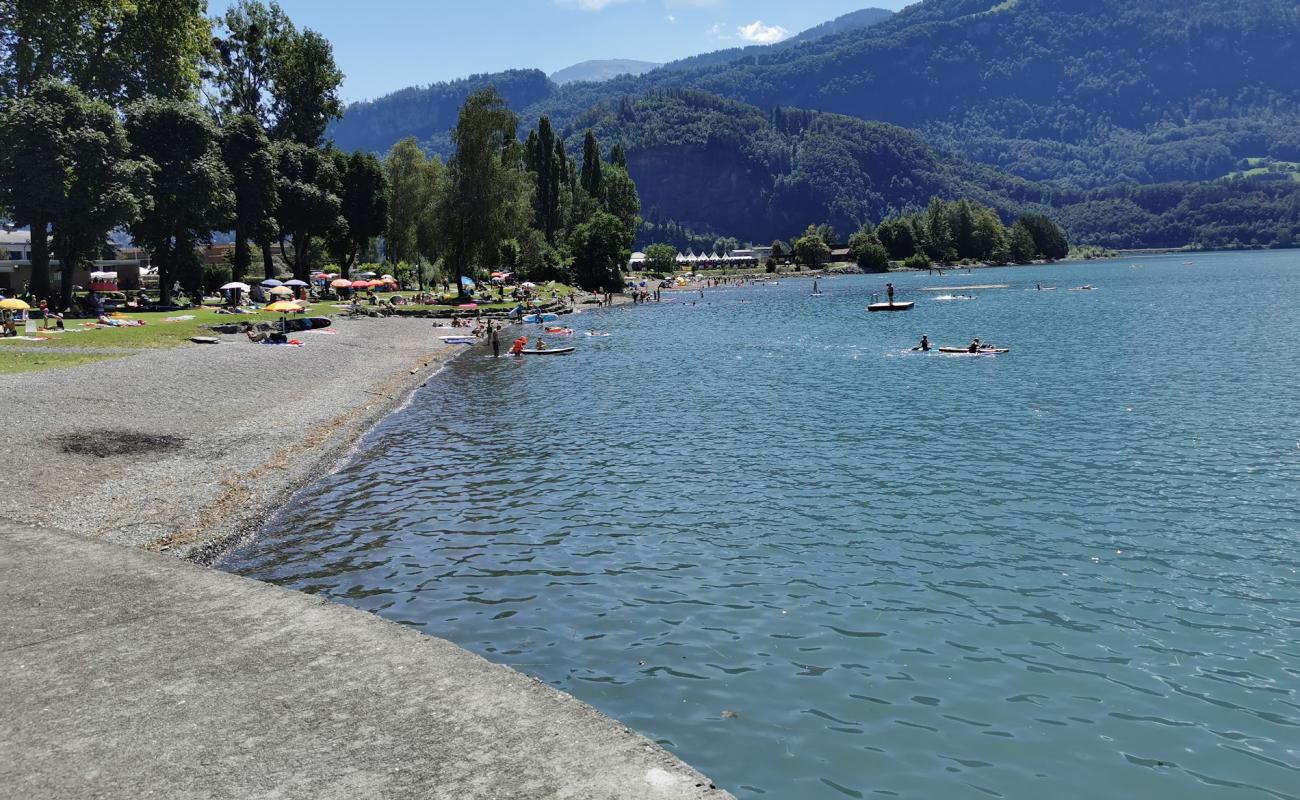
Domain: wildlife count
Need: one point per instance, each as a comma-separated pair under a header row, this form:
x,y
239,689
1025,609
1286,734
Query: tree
x,y
989,236
661,259
618,156
591,165
190,190
65,168
363,206
867,250
488,197
1049,239
827,233
112,50
600,248
407,172
549,165
308,186
896,236
243,59
1021,247
306,83
810,248
725,244
619,197
247,154
779,250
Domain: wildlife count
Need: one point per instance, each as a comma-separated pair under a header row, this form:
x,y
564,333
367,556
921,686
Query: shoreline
x,y
108,561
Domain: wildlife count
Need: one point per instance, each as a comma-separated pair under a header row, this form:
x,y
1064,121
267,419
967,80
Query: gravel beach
x,y
184,450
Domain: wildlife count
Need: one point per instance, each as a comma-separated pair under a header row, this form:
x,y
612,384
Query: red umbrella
x,y
360,284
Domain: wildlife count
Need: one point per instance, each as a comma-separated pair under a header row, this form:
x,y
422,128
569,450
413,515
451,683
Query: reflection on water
x,y
754,528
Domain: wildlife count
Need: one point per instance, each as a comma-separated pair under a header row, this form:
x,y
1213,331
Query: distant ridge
x,y
600,70
854,20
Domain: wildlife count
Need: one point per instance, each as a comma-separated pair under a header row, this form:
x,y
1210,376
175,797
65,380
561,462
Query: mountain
x,y
854,20
715,165
1141,124
597,71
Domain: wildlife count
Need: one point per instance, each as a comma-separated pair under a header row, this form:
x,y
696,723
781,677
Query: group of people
x,y
975,346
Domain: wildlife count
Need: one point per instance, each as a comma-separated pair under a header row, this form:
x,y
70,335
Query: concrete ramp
x,y
133,675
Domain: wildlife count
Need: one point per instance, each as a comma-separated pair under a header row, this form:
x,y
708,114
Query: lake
x,y
756,528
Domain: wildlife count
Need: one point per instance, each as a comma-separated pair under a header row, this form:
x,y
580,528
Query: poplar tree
x,y
591,166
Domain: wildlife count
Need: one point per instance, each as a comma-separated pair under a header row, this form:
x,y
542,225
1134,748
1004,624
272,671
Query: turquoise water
x,y
753,528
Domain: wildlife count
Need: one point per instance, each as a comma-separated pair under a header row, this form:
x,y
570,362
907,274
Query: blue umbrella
x,y
466,280
271,283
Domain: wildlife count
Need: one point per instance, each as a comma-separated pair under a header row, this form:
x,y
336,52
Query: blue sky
x,y
383,45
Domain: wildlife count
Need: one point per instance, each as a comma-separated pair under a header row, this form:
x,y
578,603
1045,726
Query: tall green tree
x,y
306,82
363,206
190,193
308,186
591,165
661,259
65,170
619,197
488,196
548,164
247,154
600,248
251,35
409,175
1049,239
112,50
811,249
1021,247
618,156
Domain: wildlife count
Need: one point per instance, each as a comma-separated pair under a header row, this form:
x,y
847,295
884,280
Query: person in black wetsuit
x,y
924,347
889,290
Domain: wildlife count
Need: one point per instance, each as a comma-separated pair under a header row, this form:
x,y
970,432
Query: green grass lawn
x,y
35,360
157,332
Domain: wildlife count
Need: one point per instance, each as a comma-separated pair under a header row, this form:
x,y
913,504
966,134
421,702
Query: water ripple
x,y
817,565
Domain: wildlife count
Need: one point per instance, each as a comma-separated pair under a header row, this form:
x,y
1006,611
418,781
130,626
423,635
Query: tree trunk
x,y
40,262
268,259
161,259
243,256
67,270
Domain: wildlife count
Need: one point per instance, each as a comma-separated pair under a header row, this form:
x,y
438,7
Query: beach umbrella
x,y
360,284
13,304
466,280
243,287
283,307
295,282
282,290
388,278
341,283
528,285
271,283
367,275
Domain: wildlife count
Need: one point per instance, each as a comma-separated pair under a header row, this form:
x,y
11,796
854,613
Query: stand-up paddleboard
x,y
533,319
890,306
459,339
557,351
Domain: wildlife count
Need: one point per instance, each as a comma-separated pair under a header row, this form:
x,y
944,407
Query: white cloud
x,y
758,33
672,19
588,5
717,31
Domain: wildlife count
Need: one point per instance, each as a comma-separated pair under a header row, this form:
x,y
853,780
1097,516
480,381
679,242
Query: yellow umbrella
x,y
13,304
283,307
278,290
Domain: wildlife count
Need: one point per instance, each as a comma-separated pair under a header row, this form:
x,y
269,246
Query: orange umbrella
x,y
341,283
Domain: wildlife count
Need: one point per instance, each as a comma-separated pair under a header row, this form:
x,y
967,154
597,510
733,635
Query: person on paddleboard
x,y
924,346
974,346
889,290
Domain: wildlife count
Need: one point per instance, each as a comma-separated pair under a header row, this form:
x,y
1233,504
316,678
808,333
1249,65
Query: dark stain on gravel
x,y
102,444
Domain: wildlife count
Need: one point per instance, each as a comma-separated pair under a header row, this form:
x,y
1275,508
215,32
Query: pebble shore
x,y
242,427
